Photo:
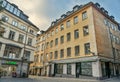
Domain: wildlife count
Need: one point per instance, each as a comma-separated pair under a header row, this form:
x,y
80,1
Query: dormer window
x,y
75,8
8,6
63,16
4,3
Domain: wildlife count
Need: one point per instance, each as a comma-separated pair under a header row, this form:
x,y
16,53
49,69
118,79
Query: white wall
x,y
96,69
73,69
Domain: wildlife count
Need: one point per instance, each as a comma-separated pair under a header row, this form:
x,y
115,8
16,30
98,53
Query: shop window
x,y
69,69
86,68
59,68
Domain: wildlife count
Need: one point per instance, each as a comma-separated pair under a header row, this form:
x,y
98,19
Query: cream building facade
x,y
17,41
84,42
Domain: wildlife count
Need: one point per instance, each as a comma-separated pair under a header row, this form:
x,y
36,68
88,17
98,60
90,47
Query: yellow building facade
x,y
84,42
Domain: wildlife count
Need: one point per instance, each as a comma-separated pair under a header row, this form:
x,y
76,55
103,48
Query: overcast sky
x,y
43,12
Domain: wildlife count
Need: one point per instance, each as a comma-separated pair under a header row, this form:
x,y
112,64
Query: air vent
x,y
97,5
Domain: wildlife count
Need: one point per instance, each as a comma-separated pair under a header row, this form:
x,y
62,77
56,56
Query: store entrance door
x,y
108,72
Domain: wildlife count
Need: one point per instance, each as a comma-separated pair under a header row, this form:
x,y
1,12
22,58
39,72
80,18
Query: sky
x,y
43,12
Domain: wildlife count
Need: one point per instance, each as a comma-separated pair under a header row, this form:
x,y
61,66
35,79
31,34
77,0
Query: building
x,y
17,39
84,42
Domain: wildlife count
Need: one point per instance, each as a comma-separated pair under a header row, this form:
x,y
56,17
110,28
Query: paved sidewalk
x,y
58,79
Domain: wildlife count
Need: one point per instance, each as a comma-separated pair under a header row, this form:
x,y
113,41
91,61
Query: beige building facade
x,y
17,40
84,42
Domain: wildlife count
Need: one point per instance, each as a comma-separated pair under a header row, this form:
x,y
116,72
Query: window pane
x,y
68,52
68,23
86,68
77,50
85,30
84,15
87,48
76,20
68,36
76,34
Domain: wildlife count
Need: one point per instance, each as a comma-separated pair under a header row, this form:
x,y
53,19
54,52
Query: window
x,y
5,18
14,23
47,56
56,55
47,45
86,68
12,52
21,38
61,53
76,20
56,41
23,27
84,15
4,3
11,35
8,6
62,39
42,47
11,8
85,30
15,11
29,42
62,27
106,22
76,34
59,68
51,55
2,31
77,50
51,44
52,32
27,55
68,23
69,69
41,58
31,31
56,30
87,48
0,45
69,52
68,36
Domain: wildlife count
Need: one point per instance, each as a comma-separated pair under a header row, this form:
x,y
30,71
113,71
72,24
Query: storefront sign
x,y
9,63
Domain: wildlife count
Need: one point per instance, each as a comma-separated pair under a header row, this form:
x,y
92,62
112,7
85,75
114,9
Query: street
x,y
55,79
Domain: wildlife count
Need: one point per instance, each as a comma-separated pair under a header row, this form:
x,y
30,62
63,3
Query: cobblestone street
x,y
55,79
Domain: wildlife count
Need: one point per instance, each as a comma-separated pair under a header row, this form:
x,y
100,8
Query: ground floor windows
x,y
59,68
86,68
69,69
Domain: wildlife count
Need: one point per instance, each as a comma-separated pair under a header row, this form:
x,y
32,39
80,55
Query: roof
x,y
80,8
